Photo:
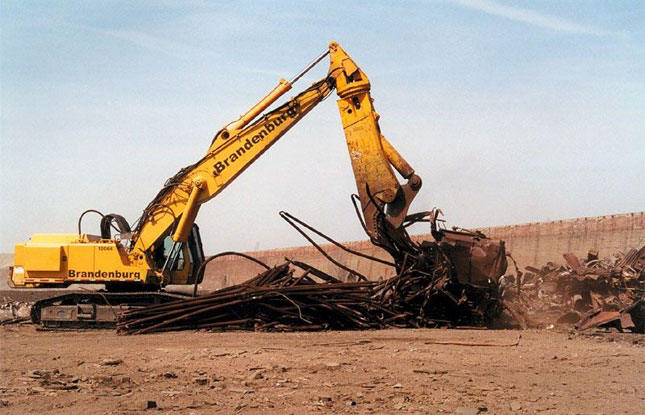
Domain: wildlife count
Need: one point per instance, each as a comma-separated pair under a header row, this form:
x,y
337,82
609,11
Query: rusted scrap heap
x,y
430,290
589,293
452,280
277,300
272,300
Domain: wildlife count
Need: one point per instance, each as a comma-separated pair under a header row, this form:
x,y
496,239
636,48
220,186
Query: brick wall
x,y
530,244
537,243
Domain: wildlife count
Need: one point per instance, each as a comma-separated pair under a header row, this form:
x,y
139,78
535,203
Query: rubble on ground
x,y
12,312
587,293
40,381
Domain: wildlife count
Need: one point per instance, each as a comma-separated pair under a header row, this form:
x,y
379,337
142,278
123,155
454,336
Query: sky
x,y
510,111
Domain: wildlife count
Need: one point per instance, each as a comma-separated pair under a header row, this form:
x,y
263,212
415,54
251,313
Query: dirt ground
x,y
389,371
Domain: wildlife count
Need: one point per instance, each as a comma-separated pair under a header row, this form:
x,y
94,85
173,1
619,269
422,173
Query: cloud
x,y
532,17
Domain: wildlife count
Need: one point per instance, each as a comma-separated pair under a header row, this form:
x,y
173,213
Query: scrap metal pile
x,y
590,293
424,293
452,280
272,300
429,290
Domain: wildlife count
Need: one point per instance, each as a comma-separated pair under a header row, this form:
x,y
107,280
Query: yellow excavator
x,y
164,245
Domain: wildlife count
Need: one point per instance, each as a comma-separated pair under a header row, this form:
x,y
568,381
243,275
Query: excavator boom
x,y
233,149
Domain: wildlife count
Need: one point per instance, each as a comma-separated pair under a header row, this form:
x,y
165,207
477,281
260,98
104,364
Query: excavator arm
x,y
372,156
235,147
175,207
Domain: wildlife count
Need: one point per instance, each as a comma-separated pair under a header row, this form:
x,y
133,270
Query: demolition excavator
x,y
164,245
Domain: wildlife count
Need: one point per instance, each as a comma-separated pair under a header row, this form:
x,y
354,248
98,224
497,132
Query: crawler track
x,y
92,309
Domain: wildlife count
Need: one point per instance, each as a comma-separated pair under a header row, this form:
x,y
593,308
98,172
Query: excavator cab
x,y
186,267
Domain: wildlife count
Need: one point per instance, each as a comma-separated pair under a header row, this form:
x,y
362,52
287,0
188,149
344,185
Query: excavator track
x,y
92,310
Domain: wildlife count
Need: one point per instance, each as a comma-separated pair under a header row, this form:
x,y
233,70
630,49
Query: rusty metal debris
x,y
630,318
449,281
475,344
424,293
273,300
593,292
278,300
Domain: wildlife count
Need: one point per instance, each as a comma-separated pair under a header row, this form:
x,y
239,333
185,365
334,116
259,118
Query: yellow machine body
x,y
63,259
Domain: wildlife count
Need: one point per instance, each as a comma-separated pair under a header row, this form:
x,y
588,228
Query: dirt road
x,y
390,371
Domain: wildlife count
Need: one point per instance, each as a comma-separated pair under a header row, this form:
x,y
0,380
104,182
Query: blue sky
x,y
510,111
